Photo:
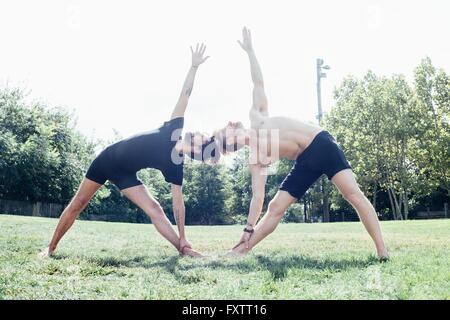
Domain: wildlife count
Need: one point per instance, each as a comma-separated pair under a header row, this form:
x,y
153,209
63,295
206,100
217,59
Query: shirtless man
x,y
315,153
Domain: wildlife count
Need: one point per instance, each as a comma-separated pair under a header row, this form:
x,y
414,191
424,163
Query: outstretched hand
x,y
246,43
197,55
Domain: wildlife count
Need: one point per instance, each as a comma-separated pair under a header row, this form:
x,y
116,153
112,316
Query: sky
x,y
120,65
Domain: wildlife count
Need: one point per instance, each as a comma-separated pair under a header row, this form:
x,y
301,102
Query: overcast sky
x,y
121,64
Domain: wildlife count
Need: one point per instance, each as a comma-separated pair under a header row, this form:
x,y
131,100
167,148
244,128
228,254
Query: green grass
x,y
99,260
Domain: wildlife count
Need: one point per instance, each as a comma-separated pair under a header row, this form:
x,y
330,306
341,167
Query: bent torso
x,y
279,137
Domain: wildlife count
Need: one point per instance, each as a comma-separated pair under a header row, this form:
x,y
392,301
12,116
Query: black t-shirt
x,y
152,149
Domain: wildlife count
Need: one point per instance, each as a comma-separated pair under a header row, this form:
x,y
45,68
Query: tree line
x,y
396,136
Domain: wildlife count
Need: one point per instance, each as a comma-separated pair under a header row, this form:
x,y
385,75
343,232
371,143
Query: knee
x,y
78,204
275,210
354,196
155,210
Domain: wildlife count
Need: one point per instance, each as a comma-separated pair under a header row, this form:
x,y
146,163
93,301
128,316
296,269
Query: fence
x,y
54,210
433,214
37,209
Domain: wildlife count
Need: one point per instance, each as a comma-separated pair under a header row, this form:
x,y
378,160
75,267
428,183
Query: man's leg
x,y
79,202
275,211
346,183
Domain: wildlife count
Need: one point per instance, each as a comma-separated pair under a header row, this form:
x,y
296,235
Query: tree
x,y
205,190
432,88
240,184
395,136
43,156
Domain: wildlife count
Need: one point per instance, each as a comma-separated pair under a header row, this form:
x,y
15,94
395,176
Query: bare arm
x,y
259,179
259,96
197,60
179,214
178,208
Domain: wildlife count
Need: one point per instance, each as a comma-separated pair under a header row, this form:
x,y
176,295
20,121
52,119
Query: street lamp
x,y
320,75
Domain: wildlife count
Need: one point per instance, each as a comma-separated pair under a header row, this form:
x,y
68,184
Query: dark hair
x,y
209,151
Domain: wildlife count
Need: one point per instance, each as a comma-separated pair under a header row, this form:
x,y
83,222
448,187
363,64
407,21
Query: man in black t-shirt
x,y
162,149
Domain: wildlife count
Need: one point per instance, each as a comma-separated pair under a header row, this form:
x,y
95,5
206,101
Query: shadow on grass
x,y
277,266
169,263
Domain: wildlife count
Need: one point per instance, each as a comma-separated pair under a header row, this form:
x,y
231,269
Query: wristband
x,y
249,230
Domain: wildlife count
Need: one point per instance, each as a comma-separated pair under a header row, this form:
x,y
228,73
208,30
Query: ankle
x,y
242,249
382,251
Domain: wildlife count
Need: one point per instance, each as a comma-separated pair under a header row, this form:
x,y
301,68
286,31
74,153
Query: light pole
x,y
320,75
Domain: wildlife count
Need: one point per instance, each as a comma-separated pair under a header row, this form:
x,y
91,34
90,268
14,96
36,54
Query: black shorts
x,y
322,156
104,168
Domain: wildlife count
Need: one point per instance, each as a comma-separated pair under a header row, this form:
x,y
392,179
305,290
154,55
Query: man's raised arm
x,y
197,59
259,96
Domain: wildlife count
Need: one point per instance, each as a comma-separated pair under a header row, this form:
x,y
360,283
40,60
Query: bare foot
x,y
233,254
46,253
383,258
238,251
191,253
383,255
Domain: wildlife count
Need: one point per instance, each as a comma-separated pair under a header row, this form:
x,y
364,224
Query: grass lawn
x,y
100,260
